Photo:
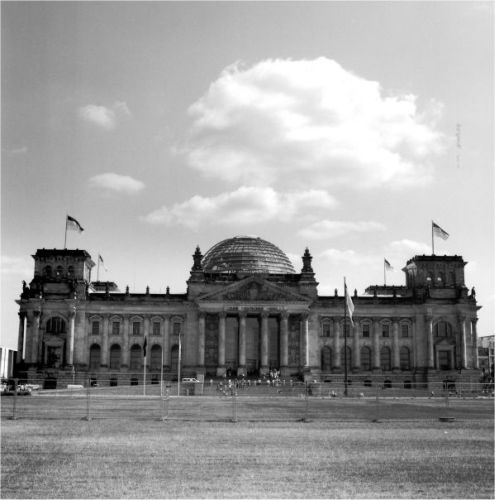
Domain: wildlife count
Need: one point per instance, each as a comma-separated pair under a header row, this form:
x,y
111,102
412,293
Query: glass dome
x,y
246,254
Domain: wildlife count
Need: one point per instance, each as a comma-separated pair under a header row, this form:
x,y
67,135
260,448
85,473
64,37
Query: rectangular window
x,y
366,330
325,329
136,328
115,328
156,328
385,330
96,328
405,331
176,328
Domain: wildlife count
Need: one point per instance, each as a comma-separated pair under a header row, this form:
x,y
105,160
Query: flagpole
x,y
161,376
65,237
432,240
345,338
384,274
98,269
144,381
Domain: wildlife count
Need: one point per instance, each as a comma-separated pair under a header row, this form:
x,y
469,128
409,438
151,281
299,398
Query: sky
x,y
344,127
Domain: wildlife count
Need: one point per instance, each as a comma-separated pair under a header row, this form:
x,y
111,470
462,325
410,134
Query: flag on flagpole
x,y
349,305
100,259
144,346
72,223
438,231
388,266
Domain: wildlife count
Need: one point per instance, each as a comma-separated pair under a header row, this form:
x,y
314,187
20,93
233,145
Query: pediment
x,y
253,289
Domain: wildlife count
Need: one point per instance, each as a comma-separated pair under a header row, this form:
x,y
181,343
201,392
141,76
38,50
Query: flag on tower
x,y
349,304
388,266
100,259
72,223
438,231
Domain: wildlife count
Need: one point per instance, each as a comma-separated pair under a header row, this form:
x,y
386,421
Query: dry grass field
x,y
140,456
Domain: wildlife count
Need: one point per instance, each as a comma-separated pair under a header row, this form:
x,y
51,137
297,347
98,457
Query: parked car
x,y
191,380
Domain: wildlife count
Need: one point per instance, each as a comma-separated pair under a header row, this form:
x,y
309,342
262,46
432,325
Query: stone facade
x,y
246,322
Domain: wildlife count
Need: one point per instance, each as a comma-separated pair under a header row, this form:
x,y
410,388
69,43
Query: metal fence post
x,y
234,405
88,390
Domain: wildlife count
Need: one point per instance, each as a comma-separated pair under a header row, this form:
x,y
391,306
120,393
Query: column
x,y
356,354
241,367
284,340
201,339
104,342
35,332
70,340
475,362
264,342
430,360
21,339
125,346
395,344
462,329
305,339
166,343
336,343
376,345
221,344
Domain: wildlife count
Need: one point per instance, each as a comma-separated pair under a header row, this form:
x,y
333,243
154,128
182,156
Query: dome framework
x,y
246,254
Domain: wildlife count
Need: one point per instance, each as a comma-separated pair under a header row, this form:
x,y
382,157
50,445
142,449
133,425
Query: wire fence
x,y
248,402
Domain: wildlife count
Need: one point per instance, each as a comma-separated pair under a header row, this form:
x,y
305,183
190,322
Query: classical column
x,y
462,329
104,342
356,362
305,338
242,344
125,346
475,361
221,343
201,339
35,333
284,339
336,343
166,342
21,337
395,344
70,339
376,345
430,360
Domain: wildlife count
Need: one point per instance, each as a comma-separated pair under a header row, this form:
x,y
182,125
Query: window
x,y
55,325
70,271
386,330
95,328
405,358
443,329
48,271
59,272
136,328
366,330
366,358
156,357
325,329
114,382
176,328
94,357
136,357
116,328
444,360
347,328
348,354
156,328
115,352
385,359
326,359
441,279
404,331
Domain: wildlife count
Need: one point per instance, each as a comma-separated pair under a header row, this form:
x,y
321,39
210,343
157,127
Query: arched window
x,y
136,357
348,354
70,271
365,358
385,359
326,359
429,278
405,358
441,279
443,329
55,326
94,357
115,356
48,271
156,357
59,272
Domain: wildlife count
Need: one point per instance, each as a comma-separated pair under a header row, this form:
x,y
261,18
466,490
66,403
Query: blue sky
x,y
345,127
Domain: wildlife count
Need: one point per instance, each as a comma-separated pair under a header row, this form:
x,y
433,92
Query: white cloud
x,y
117,183
325,229
17,151
348,257
102,116
310,122
408,247
16,266
246,205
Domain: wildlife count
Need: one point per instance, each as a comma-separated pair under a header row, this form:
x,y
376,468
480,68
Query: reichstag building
x,y
246,311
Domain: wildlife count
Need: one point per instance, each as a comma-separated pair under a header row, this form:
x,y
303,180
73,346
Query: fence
x,y
249,402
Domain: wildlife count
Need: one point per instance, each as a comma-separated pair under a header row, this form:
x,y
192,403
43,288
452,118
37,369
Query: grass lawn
x,y
132,458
